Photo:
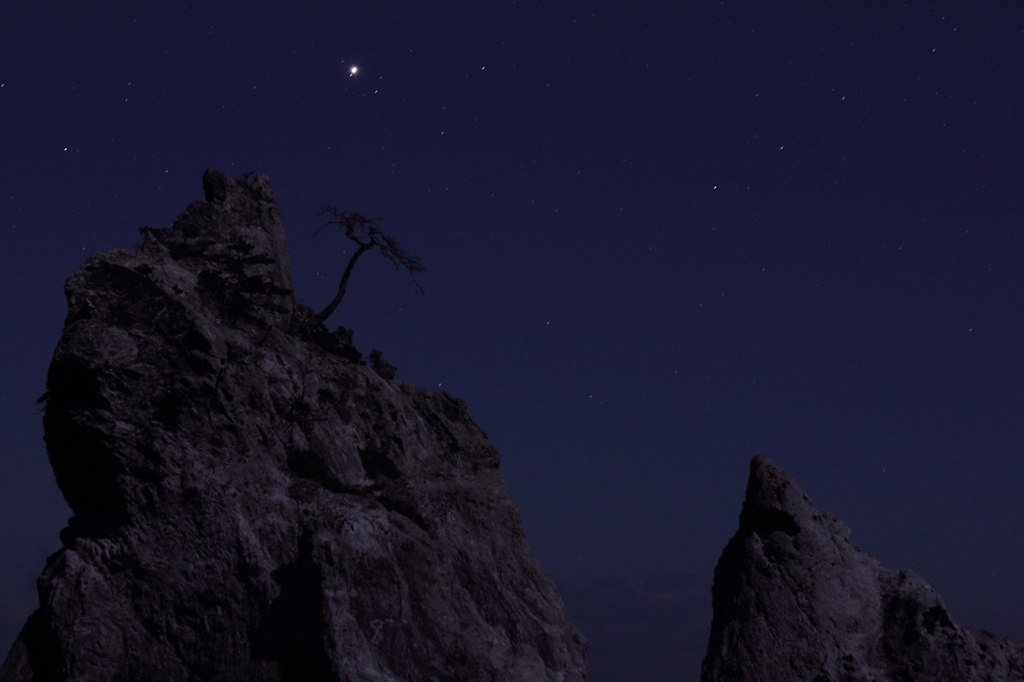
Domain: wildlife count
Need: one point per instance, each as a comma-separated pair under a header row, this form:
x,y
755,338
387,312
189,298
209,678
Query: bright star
x,y
353,70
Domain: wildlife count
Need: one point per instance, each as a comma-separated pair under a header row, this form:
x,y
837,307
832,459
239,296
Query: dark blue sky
x,y
661,237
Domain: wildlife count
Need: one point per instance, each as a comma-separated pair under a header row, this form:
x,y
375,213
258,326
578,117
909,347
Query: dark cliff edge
x,y
794,600
251,504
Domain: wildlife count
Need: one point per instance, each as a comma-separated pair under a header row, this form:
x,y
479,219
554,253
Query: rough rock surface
x,y
251,504
795,600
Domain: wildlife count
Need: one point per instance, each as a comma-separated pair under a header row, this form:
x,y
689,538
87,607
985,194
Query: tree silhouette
x,y
367,234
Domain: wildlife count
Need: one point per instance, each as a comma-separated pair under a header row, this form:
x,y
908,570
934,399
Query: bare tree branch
x,y
367,234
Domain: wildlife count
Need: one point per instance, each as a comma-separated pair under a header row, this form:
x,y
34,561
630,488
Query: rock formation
x,y
253,503
794,600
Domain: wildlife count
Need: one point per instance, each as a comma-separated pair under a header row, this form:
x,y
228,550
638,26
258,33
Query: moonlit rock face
x,y
251,505
794,600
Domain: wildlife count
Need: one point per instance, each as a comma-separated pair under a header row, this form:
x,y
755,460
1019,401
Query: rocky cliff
x,y
252,503
795,600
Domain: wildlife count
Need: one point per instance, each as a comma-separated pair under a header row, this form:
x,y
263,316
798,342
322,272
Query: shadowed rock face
x,y
795,600
252,505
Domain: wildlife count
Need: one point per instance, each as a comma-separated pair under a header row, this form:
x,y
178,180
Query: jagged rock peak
x,y
252,504
234,243
794,600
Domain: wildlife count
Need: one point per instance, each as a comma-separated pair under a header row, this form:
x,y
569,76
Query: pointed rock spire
x,y
794,600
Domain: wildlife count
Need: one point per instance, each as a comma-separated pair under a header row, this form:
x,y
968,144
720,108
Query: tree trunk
x,y
326,312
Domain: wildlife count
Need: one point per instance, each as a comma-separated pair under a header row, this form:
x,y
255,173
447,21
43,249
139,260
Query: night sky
x,y
660,238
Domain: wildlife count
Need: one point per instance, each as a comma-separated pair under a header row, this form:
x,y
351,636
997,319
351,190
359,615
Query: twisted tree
x,y
367,234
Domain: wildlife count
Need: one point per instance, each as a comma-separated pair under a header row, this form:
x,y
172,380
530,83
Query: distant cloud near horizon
x,y
657,631
12,618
